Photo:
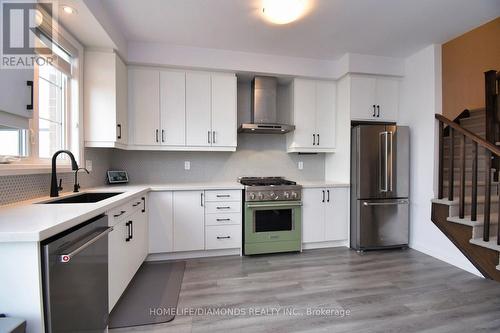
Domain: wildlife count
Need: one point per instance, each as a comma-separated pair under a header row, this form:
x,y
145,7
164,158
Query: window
x,y
14,142
53,112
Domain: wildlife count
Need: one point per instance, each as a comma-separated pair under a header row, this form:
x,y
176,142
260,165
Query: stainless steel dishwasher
x,y
75,278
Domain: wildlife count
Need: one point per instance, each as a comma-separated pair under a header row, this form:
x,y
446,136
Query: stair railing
x,y
492,109
477,141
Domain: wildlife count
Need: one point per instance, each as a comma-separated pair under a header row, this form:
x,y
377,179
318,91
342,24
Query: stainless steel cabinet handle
x,y
156,135
129,233
318,139
119,126
162,135
328,198
226,237
378,111
144,202
131,229
66,257
214,137
209,136
136,204
388,203
223,195
222,220
374,111
323,196
119,214
314,139
201,199
224,207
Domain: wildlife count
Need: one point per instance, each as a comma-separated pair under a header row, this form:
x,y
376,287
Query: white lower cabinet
x,y
127,246
194,220
222,237
189,223
325,214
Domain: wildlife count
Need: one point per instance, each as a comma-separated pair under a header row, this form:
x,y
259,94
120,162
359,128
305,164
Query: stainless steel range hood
x,y
263,108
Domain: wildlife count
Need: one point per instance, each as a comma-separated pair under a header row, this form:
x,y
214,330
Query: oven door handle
x,y
272,205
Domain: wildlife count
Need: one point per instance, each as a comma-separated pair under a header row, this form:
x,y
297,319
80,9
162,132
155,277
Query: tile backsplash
x,y
26,187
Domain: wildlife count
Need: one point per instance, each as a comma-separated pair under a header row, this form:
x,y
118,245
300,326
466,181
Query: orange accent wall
x,y
464,61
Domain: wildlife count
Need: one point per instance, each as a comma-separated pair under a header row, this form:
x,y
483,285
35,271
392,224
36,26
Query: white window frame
x,y
74,132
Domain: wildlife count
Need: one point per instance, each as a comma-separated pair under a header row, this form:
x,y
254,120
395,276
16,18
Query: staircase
x,y
468,204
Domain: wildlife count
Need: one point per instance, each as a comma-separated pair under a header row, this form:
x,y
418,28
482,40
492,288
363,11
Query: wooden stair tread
x,y
467,220
491,244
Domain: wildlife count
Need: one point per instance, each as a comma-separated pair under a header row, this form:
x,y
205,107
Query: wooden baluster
x,y
451,165
473,208
441,160
487,198
461,203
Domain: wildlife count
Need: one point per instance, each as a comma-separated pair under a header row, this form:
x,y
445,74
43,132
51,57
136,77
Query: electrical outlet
x,y
300,165
187,165
88,165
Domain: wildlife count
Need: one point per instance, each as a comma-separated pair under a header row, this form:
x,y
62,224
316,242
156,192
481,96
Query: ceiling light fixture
x,y
69,10
284,11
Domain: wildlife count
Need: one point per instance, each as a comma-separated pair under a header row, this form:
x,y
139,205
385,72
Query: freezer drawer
x,y
382,223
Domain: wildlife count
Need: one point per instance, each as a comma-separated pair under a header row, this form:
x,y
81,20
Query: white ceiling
x,y
395,28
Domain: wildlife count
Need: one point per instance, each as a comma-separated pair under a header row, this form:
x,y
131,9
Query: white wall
x,y
420,100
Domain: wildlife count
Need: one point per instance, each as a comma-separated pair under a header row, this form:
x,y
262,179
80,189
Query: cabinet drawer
x,y
222,237
228,195
223,219
223,207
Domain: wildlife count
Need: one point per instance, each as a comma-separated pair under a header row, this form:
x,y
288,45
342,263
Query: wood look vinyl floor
x,y
388,291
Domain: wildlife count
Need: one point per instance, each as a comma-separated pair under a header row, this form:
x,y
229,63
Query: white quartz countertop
x,y
29,221
322,183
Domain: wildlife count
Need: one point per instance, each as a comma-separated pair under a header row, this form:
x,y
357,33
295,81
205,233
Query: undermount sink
x,y
90,197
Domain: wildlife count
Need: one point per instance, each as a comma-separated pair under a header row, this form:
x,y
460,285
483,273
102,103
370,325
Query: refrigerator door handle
x,y
388,154
387,203
382,151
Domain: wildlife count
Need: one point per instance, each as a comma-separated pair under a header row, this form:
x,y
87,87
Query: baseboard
x,y
438,255
192,254
323,245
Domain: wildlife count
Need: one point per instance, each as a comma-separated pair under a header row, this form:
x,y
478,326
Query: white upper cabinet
x,y
144,106
105,100
224,114
198,109
314,116
16,92
173,108
179,110
374,98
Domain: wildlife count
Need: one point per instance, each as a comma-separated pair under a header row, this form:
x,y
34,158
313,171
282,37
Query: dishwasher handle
x,y
66,257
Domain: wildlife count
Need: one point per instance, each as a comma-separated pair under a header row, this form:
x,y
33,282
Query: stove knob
x,y
252,196
294,195
287,195
272,195
261,196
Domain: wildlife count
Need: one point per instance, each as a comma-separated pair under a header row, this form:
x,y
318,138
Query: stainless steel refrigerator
x,y
380,177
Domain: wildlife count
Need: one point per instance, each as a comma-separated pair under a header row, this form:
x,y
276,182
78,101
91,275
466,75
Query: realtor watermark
x,y
251,311
27,33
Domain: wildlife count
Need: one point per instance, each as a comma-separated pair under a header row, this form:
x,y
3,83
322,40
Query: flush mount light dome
x,y
284,11
68,9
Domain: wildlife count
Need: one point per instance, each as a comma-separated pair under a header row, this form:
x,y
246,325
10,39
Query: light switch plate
x,y
187,165
88,165
300,165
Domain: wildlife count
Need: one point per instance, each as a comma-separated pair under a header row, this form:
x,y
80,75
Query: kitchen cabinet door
x,y
121,101
15,93
304,113
144,105
326,114
336,214
224,114
118,263
189,223
387,98
198,113
173,108
313,215
363,101
139,239
161,228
